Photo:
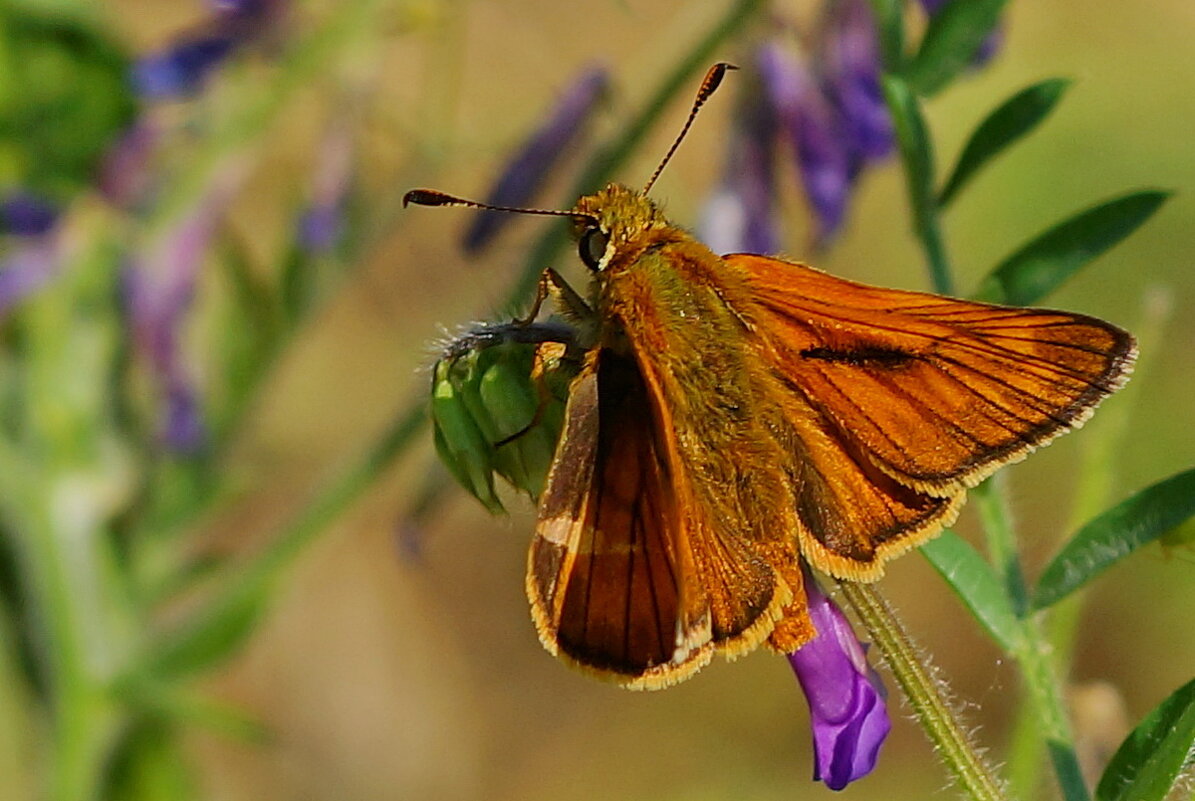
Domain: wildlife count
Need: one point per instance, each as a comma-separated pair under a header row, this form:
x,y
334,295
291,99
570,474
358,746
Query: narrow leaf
x,y
912,137
976,583
951,42
1046,262
221,631
1012,120
1115,534
1149,761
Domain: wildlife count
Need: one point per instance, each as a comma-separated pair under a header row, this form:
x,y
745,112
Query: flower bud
x,y
498,402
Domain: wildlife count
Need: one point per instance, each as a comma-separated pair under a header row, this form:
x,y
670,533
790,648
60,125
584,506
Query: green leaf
x,y
913,139
951,41
1046,262
1012,120
976,583
1151,758
1115,534
220,631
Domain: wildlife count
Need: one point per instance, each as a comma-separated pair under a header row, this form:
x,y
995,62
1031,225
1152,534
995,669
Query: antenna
x,y
432,197
712,78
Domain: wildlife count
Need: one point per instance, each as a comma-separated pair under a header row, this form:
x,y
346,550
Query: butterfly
x,y
734,415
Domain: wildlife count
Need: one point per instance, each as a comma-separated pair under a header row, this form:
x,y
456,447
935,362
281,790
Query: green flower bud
x,y
498,401
462,446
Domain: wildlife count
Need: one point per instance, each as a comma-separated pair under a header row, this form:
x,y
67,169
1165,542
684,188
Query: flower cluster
x,y
822,103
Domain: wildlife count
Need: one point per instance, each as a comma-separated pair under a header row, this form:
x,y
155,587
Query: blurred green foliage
x,y
64,97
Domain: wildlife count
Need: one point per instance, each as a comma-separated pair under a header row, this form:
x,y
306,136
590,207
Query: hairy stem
x,y
973,774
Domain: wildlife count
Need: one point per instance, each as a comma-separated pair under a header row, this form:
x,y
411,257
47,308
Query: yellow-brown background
x,y
389,677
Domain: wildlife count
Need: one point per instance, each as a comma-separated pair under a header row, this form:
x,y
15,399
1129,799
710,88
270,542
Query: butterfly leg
x,y
552,284
542,390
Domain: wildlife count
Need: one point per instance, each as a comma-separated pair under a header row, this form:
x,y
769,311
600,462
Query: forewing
x,y
937,392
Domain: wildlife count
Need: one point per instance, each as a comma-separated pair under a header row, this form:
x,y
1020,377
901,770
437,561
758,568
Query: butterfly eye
x,y
592,247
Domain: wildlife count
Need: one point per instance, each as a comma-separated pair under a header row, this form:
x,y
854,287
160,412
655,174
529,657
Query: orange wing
x,y
926,395
626,575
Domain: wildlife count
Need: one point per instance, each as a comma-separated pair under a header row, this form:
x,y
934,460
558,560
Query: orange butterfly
x,y
735,414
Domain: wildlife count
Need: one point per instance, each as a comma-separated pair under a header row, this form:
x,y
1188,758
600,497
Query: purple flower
x,y
529,167
740,216
182,68
125,177
321,223
159,288
26,214
27,269
320,228
850,63
814,128
846,698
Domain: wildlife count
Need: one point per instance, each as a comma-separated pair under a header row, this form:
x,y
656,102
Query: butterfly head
x,y
615,223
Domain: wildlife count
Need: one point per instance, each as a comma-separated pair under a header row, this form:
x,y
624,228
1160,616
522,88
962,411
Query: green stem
x,y
1040,676
973,774
603,165
1035,656
917,158
82,724
930,233
990,499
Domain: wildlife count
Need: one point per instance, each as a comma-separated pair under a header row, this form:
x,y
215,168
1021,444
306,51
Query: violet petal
x,y
851,68
814,129
740,216
26,214
847,706
529,167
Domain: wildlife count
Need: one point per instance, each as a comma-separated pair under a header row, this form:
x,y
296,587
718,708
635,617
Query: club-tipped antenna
x,y
432,197
712,78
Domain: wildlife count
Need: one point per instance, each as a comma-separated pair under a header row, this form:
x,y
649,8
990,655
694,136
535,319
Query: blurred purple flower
x,y
183,430
850,64
990,45
740,217
815,130
27,269
320,228
846,697
321,224
529,167
184,66
182,69
26,214
125,175
159,287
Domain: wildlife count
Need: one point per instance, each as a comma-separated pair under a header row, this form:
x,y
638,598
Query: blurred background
x,y
392,654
